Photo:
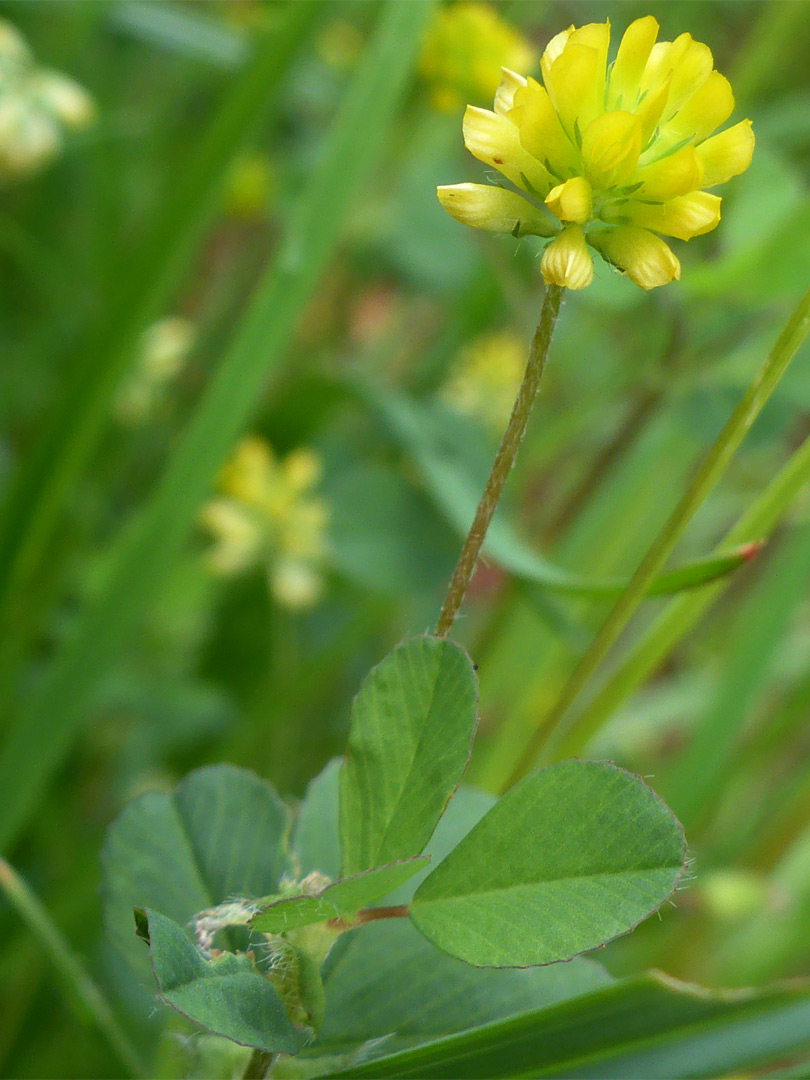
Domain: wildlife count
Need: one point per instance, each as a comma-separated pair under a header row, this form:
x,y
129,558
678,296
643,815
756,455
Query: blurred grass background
x,y
244,239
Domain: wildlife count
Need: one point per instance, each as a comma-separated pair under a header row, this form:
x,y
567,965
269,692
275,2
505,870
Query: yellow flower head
x,y
464,49
610,156
268,514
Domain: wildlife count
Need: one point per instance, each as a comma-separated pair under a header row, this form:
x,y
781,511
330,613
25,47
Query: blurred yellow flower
x,y
616,154
250,187
464,49
36,105
164,349
485,377
268,514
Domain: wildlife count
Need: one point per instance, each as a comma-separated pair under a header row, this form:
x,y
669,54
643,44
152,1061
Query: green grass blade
x,y
683,613
70,968
456,492
647,1027
48,723
42,488
759,629
714,465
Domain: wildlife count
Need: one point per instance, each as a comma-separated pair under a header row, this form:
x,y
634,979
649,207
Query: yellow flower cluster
x,y
35,106
164,349
608,155
268,514
485,377
464,49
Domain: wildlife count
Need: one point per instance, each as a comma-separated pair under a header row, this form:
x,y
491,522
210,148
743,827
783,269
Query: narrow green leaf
x,y
573,856
70,968
47,724
142,286
220,834
226,994
412,725
646,1028
446,472
341,900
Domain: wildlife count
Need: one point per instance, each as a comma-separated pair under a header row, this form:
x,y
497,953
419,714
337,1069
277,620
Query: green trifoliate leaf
x,y
574,855
411,727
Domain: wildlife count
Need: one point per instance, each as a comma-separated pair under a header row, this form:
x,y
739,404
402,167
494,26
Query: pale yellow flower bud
x,y
571,201
69,101
566,261
684,217
641,255
494,209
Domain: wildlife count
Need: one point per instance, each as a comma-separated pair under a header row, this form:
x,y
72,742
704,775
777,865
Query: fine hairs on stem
x,y
504,459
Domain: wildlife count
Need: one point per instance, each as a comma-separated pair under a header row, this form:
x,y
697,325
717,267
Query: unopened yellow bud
x,y
571,201
566,260
641,255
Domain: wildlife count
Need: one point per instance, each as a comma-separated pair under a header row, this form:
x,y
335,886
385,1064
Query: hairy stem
x,y
504,459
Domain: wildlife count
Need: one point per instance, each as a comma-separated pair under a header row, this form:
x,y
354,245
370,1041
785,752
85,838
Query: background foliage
x,y
266,173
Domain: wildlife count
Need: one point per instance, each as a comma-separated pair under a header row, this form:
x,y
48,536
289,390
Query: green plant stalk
x,y
708,474
70,968
258,1064
43,487
682,613
48,722
504,459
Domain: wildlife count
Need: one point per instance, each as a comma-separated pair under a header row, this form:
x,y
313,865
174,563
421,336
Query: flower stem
x,y
504,459
557,724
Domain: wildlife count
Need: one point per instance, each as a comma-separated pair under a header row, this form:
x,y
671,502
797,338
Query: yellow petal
x,y
676,174
610,147
689,73
495,140
505,94
575,87
494,209
683,217
651,107
595,36
640,254
566,260
634,51
540,130
727,154
554,49
571,201
706,109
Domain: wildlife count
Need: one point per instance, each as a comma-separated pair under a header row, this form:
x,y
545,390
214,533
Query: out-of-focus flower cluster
x,y
484,379
36,107
610,156
164,349
268,514
465,47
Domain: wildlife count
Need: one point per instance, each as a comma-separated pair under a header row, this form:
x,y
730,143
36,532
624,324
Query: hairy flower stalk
x,y
606,156
504,459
